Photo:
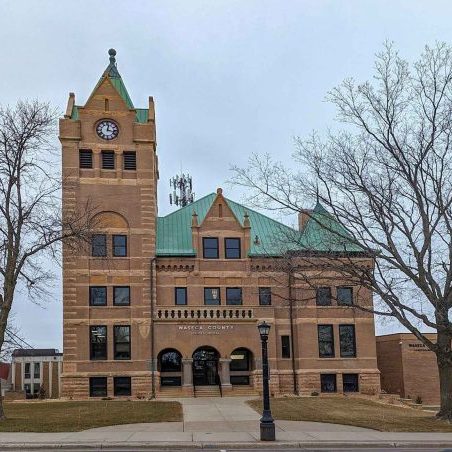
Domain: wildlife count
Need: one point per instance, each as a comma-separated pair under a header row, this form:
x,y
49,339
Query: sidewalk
x,y
227,422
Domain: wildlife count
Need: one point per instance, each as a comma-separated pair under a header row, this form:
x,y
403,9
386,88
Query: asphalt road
x,y
285,449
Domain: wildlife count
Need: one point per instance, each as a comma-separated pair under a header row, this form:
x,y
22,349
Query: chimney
x,y
303,217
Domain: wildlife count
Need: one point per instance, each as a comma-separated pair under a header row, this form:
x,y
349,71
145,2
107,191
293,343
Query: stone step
x,y
207,391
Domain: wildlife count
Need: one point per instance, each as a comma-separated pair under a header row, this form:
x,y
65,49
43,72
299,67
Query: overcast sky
x,y
229,78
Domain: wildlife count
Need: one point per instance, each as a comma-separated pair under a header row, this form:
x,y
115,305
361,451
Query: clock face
x,y
107,129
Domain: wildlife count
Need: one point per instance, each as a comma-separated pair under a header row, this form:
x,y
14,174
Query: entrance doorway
x,y
205,366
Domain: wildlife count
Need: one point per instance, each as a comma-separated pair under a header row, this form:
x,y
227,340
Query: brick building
x,y
408,367
36,368
171,303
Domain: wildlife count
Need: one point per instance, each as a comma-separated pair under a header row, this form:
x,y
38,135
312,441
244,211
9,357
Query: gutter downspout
x,y
292,341
152,330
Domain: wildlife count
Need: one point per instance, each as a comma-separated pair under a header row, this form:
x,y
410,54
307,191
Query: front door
x,y
205,367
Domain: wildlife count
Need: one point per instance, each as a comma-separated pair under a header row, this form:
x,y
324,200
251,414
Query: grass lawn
x,y
354,411
75,416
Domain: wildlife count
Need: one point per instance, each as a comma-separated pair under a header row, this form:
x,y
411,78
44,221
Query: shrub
x,y
314,393
418,400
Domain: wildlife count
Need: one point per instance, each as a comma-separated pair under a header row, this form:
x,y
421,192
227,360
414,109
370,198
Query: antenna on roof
x,y
182,194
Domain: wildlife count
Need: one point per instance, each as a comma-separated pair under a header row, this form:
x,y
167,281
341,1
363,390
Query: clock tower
x,y
110,171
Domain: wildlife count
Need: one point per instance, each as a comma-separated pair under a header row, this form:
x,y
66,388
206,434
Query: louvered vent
x,y
108,160
130,161
86,159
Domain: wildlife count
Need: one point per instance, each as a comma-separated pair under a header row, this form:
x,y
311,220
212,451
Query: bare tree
x,y
387,179
31,226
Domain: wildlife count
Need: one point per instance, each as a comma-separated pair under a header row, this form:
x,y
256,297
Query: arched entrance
x,y
205,366
240,366
170,367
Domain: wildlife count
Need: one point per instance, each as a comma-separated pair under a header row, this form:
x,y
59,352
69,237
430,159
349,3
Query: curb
x,y
327,445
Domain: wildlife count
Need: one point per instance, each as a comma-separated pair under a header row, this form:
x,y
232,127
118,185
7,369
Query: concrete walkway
x,y
227,422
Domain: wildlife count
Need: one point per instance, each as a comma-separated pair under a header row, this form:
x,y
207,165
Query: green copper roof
x,y
113,75
268,237
324,233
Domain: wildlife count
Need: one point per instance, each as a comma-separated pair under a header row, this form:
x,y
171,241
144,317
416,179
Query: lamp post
x,y
267,423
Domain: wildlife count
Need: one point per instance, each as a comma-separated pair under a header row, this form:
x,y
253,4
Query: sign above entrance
x,y
206,329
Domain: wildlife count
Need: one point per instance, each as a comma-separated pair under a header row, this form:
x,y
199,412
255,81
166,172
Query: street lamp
x,y
267,423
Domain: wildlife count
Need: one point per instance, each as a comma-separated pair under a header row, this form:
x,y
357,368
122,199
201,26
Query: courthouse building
x,y
171,304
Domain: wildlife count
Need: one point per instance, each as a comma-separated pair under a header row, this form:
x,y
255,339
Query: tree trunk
x,y
2,412
445,384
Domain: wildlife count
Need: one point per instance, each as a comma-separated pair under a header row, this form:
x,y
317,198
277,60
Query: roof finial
x,y
112,53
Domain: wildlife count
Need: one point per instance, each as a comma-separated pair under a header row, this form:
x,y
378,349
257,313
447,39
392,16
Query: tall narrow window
x,y
265,296
98,296
99,245
323,296
344,296
27,370
234,295
328,382
98,342
122,342
347,341
285,346
98,387
210,247
130,160
120,245
122,386
232,248
180,295
326,341
37,371
108,160
85,158
121,296
211,295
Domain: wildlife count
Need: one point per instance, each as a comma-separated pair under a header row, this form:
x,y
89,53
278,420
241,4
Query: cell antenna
x,y
182,190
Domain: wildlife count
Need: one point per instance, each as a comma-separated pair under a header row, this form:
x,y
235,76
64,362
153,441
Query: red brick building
x,y
407,367
171,303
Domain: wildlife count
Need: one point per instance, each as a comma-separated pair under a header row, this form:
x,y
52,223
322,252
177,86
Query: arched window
x,y
170,360
240,360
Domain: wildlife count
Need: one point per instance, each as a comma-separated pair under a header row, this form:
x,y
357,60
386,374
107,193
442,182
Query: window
x,y
210,247
232,248
97,296
122,386
27,388
180,295
345,296
108,160
130,161
240,360
27,370
212,295
37,370
328,383
350,382
347,341
234,295
119,245
323,296
326,341
98,342
121,296
122,342
265,296
285,346
170,361
99,245
85,159
36,388
98,387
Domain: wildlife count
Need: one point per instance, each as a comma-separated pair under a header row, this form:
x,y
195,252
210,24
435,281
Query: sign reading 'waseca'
x,y
206,329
